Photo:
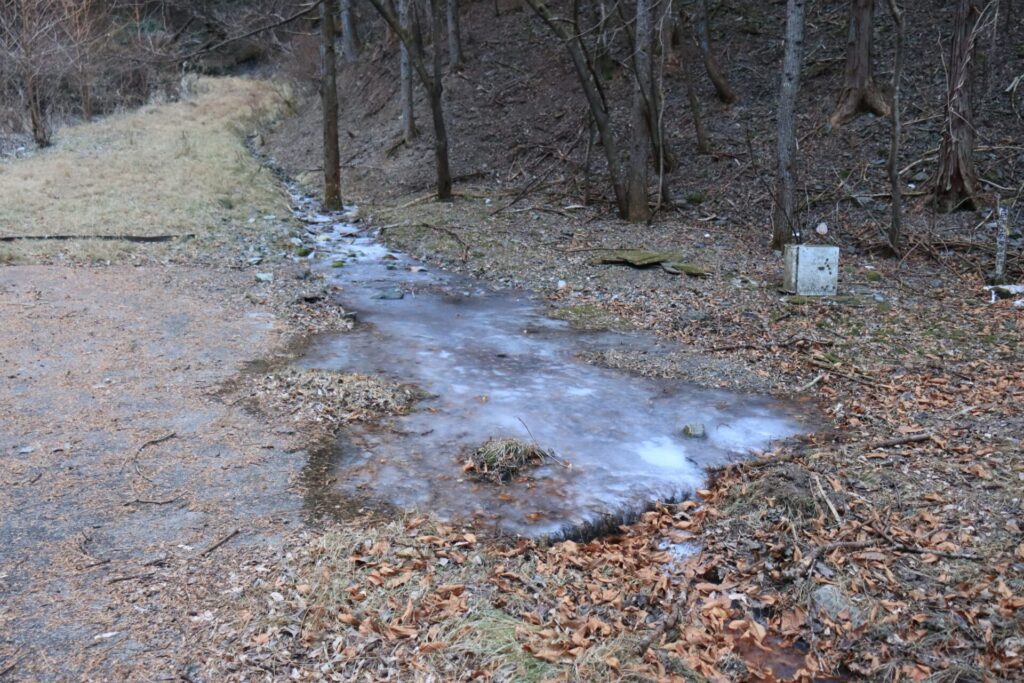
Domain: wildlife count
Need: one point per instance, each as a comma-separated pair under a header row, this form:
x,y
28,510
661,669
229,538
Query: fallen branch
x,y
119,579
219,543
109,238
664,627
151,442
900,440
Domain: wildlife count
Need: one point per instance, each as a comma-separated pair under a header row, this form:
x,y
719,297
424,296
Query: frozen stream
x,y
495,364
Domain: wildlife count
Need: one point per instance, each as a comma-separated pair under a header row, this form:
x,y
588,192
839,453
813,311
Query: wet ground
x,y
496,366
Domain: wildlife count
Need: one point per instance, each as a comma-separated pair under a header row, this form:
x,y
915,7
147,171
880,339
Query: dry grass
x,y
502,460
178,168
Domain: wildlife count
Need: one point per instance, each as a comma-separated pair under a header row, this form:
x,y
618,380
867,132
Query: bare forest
x,y
512,340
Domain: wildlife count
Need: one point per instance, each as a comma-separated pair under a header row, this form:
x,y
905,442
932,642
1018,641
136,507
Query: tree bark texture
x,y
636,183
956,186
329,105
786,228
701,30
409,131
860,93
444,175
349,37
454,35
896,223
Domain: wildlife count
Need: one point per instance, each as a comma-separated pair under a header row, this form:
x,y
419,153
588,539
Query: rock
x,y
695,431
561,284
835,603
264,277
920,176
692,315
390,294
296,242
682,268
255,260
639,258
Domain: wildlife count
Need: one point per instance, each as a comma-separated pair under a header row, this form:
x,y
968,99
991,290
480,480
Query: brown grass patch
x,y
178,168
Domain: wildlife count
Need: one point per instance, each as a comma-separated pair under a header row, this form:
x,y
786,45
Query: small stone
x,y
390,294
695,431
561,284
255,260
25,450
835,603
264,277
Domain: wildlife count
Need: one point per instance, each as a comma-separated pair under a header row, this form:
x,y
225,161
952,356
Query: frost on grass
x,y
502,460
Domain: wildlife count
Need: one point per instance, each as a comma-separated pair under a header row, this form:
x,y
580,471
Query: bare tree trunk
x,y
703,144
409,131
859,93
688,61
589,81
444,175
431,82
349,37
639,150
998,276
650,86
36,113
896,226
957,183
785,221
454,36
700,29
329,104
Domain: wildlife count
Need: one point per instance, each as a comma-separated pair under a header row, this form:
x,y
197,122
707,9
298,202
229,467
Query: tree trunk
x,y
957,183
329,104
444,175
349,37
859,93
700,29
409,131
896,226
785,221
454,36
688,60
636,182
431,82
703,144
588,79
36,113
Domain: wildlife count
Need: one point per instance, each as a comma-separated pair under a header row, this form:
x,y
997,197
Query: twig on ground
x,y
219,543
151,442
828,501
664,627
119,579
900,440
124,238
805,387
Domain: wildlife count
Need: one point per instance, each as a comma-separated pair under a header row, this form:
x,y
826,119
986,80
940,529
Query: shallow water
x,y
497,367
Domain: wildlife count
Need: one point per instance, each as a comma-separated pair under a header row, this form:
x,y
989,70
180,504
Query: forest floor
x,y
886,546
152,522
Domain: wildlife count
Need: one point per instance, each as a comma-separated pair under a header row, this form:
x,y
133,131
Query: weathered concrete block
x,y
811,269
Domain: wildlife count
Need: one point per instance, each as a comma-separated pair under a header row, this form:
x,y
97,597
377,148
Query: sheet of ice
x,y
499,368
